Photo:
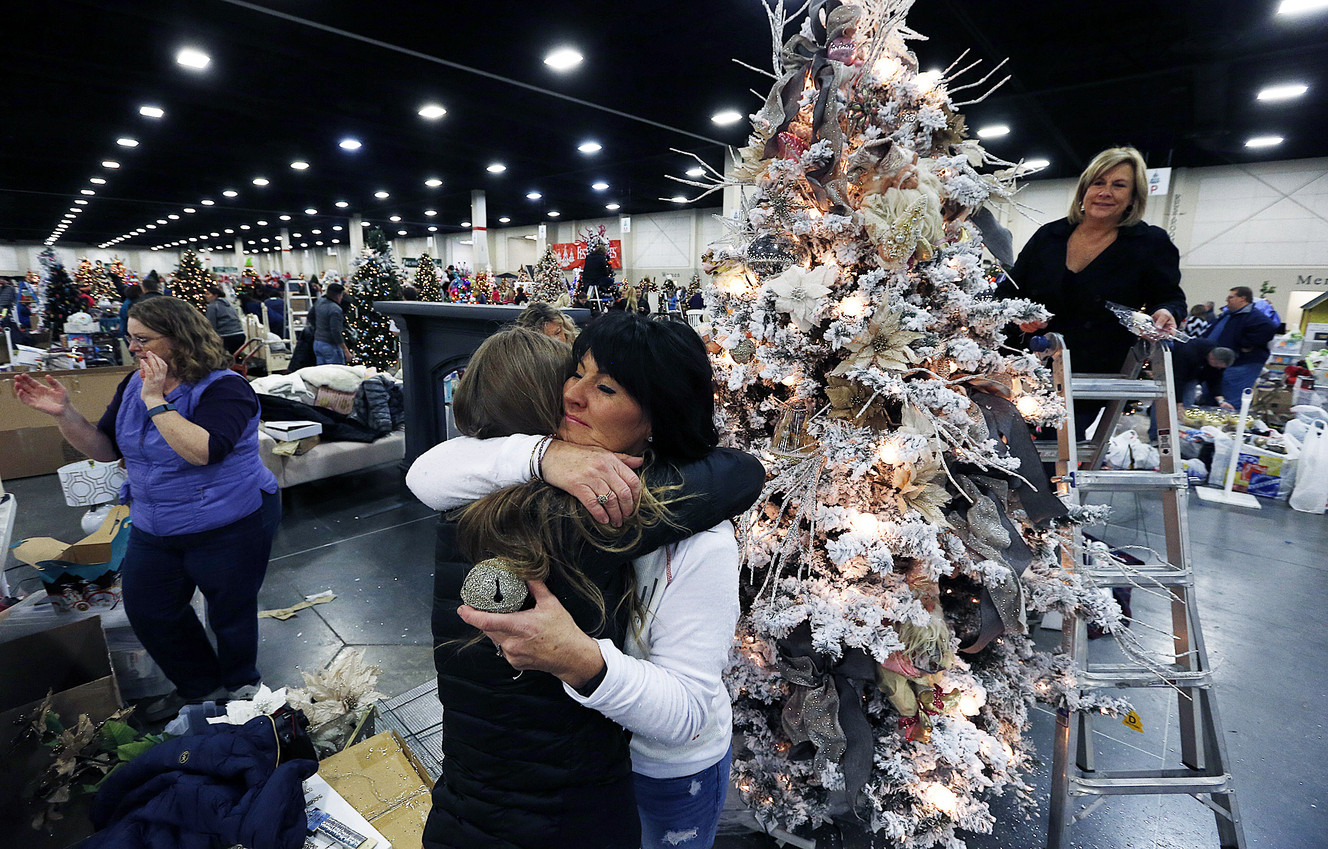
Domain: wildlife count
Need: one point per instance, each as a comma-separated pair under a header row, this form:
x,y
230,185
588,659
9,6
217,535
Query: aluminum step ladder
x,y
1204,769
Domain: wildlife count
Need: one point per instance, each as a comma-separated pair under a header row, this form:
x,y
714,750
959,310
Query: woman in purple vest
x,y
204,507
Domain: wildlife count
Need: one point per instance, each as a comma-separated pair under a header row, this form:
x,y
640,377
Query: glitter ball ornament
x,y
771,254
743,351
490,586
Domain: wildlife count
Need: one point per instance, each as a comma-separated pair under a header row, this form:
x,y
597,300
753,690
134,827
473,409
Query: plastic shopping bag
x,y
1311,492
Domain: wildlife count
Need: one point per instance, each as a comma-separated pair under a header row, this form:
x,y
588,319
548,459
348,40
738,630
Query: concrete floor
x,y
1262,595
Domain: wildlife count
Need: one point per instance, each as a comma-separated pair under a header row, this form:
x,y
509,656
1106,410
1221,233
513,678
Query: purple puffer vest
x,y
168,495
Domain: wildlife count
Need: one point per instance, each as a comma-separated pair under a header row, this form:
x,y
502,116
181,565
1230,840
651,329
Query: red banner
x,y
573,254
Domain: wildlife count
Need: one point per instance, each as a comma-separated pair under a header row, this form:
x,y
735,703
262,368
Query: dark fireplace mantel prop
x,y
436,340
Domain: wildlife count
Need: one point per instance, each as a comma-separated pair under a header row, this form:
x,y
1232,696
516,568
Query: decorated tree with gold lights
x,y
375,279
549,284
191,280
882,674
124,272
59,292
426,280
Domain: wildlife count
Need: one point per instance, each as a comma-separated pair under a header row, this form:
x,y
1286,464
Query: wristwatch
x,y
160,408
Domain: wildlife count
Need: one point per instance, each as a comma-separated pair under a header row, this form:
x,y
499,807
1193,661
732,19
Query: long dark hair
x,y
663,365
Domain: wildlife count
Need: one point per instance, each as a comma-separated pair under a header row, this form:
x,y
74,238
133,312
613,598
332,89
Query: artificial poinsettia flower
x,y
904,222
884,345
916,488
798,292
848,399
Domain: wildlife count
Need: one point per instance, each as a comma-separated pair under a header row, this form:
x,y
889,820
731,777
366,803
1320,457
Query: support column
x,y
239,255
628,255
283,244
479,232
355,237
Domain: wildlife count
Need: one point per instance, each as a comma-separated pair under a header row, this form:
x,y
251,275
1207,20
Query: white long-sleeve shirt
x,y
665,687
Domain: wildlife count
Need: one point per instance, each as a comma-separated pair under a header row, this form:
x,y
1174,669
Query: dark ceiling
x,y
1176,79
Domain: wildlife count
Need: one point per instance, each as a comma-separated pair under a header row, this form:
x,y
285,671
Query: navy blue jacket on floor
x,y
215,789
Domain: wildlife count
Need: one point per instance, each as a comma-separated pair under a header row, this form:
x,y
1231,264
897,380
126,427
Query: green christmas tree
x,y
103,288
62,299
550,284
191,280
426,280
375,279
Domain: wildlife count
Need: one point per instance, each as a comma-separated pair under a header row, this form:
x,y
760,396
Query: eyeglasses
x,y
142,341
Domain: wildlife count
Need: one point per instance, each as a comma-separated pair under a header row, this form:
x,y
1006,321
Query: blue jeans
x,y
228,563
326,352
1236,379
682,813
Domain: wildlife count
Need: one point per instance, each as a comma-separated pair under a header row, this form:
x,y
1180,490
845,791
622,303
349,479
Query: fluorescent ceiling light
x,y
401,232
563,59
127,142
1035,164
431,230
496,168
97,181
299,165
698,171
994,131
364,224
173,217
349,144
190,210
1264,141
191,58
728,116
161,220
309,211
151,111
337,228
261,223
504,220
432,111
80,201
1283,92
86,191
284,217
465,223
430,212
433,182
341,204
381,195
109,163
590,147
394,218
230,193
554,213
260,181
315,232
611,207
600,186
244,226
533,195
1295,7
207,202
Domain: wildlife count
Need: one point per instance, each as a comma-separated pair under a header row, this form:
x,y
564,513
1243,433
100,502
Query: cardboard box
x,y
383,780
84,575
73,662
32,443
292,431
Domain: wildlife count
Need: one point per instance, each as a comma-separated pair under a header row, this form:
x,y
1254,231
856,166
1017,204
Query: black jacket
x,y
1189,364
596,268
524,765
1141,269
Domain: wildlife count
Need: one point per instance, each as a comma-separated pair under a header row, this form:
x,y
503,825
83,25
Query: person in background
x,y
328,322
221,315
1101,251
409,293
1247,331
1197,323
696,301
276,314
1210,311
151,285
549,320
1294,373
8,305
133,295
521,296
204,507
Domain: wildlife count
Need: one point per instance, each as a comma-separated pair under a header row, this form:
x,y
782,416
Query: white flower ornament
x,y
798,291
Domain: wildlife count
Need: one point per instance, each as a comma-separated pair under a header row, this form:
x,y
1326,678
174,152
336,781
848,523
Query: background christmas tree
x,y
549,285
124,272
103,288
191,280
83,275
426,280
61,293
375,278
883,675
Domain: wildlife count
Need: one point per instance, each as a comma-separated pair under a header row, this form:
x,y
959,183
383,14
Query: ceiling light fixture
x,y
698,171
394,219
401,232
109,163
590,147
206,202
299,165
260,181
337,228
127,142
600,186
261,223
284,217
230,193
173,217
678,199
993,131
341,204
349,144
504,220
80,202
1264,141
433,182
1034,165
563,59
86,191
533,195
97,181
496,168
381,195
151,111
1295,7
1286,91
309,211
432,111
465,223
611,207
554,213
192,58
728,116
430,212
431,230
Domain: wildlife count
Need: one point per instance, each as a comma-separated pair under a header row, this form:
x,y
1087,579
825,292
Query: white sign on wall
x,y
625,224
1159,181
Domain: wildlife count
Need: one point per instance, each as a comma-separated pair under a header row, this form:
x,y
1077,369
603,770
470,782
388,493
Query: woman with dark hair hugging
x,y
632,608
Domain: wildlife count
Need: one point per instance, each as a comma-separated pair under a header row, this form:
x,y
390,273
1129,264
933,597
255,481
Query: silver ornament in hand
x,y
490,586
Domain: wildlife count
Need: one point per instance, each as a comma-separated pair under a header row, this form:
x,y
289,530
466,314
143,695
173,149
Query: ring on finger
x,y
500,651
603,499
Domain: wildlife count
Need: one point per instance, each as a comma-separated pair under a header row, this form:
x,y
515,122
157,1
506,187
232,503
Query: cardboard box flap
x,y
92,550
63,658
383,780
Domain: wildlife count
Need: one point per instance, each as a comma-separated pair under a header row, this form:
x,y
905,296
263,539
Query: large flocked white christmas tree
x,y
882,674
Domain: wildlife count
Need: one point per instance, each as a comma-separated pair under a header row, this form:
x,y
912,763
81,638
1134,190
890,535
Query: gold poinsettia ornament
x,y
916,487
884,345
850,400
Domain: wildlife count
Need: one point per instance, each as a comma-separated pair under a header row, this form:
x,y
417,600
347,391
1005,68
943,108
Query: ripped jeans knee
x,y
683,812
